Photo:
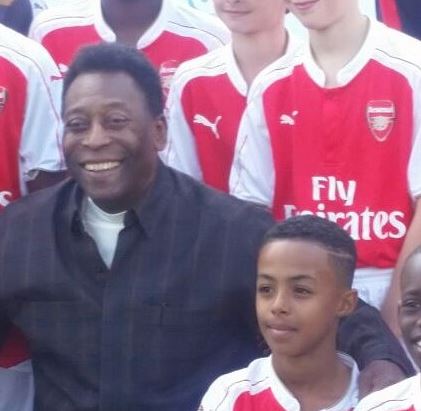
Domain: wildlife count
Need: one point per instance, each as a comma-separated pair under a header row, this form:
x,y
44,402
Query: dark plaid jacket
x,y
403,15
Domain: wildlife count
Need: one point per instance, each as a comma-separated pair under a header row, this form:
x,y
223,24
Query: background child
x,y
209,95
305,272
406,395
344,134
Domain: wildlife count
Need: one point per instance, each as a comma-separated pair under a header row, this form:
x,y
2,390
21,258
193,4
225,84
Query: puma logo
x,y
5,198
289,119
199,119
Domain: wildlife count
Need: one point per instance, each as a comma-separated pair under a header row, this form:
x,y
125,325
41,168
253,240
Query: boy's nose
x,y
281,304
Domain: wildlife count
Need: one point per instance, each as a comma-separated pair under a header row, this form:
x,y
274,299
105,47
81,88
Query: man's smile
x,y
101,166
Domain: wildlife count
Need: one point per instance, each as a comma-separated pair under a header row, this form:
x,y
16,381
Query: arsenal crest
x,y
381,117
166,72
3,97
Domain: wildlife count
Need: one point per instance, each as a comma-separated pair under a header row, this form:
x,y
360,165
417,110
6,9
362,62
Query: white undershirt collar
x,y
103,227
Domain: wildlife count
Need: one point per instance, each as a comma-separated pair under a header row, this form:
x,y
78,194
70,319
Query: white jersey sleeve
x,y
403,396
414,169
40,147
216,398
180,152
252,176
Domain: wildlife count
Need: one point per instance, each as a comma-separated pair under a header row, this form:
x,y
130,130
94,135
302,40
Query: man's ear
x,y
347,303
160,138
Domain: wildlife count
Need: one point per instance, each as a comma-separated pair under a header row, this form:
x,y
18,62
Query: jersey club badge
x,y
381,116
166,72
3,97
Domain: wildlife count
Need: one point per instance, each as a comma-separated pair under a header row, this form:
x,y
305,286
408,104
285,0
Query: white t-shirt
x,y
103,227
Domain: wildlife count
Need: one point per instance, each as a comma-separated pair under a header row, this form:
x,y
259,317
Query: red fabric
x,y
339,162
223,107
14,350
390,14
12,108
263,401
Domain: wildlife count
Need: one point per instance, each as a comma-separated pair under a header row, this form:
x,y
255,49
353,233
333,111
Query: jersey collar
x,y
151,34
354,67
236,77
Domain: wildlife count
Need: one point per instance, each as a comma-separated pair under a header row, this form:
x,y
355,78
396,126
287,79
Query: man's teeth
x,y
108,165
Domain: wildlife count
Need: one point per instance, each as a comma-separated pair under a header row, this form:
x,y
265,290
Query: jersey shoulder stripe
x,y
398,47
400,396
187,20
24,53
61,17
210,64
229,387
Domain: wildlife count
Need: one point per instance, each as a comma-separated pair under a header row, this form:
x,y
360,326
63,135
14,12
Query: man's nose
x,y
96,136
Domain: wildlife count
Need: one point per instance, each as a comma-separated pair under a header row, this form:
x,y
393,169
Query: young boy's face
x,y
410,307
250,16
319,14
299,297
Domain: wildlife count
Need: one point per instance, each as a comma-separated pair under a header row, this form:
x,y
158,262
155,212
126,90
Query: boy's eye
x,y
302,291
264,289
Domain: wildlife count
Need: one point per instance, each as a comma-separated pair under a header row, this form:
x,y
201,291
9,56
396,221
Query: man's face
x,y
111,139
410,307
299,298
321,14
250,16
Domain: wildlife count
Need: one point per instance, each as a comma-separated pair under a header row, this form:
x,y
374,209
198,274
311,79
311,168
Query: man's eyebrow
x,y
82,108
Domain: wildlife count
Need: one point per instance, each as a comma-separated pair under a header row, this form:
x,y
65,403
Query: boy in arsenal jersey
x,y
30,158
305,270
339,135
406,395
209,94
167,31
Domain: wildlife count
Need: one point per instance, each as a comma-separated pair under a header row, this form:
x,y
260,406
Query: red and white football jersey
x,y
179,33
258,388
403,396
30,141
30,93
350,153
206,107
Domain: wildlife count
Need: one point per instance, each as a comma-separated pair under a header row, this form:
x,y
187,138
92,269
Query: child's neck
x,y
130,21
335,46
255,52
315,385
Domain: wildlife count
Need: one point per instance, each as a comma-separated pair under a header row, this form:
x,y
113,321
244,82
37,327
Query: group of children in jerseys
x,y
330,126
326,128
